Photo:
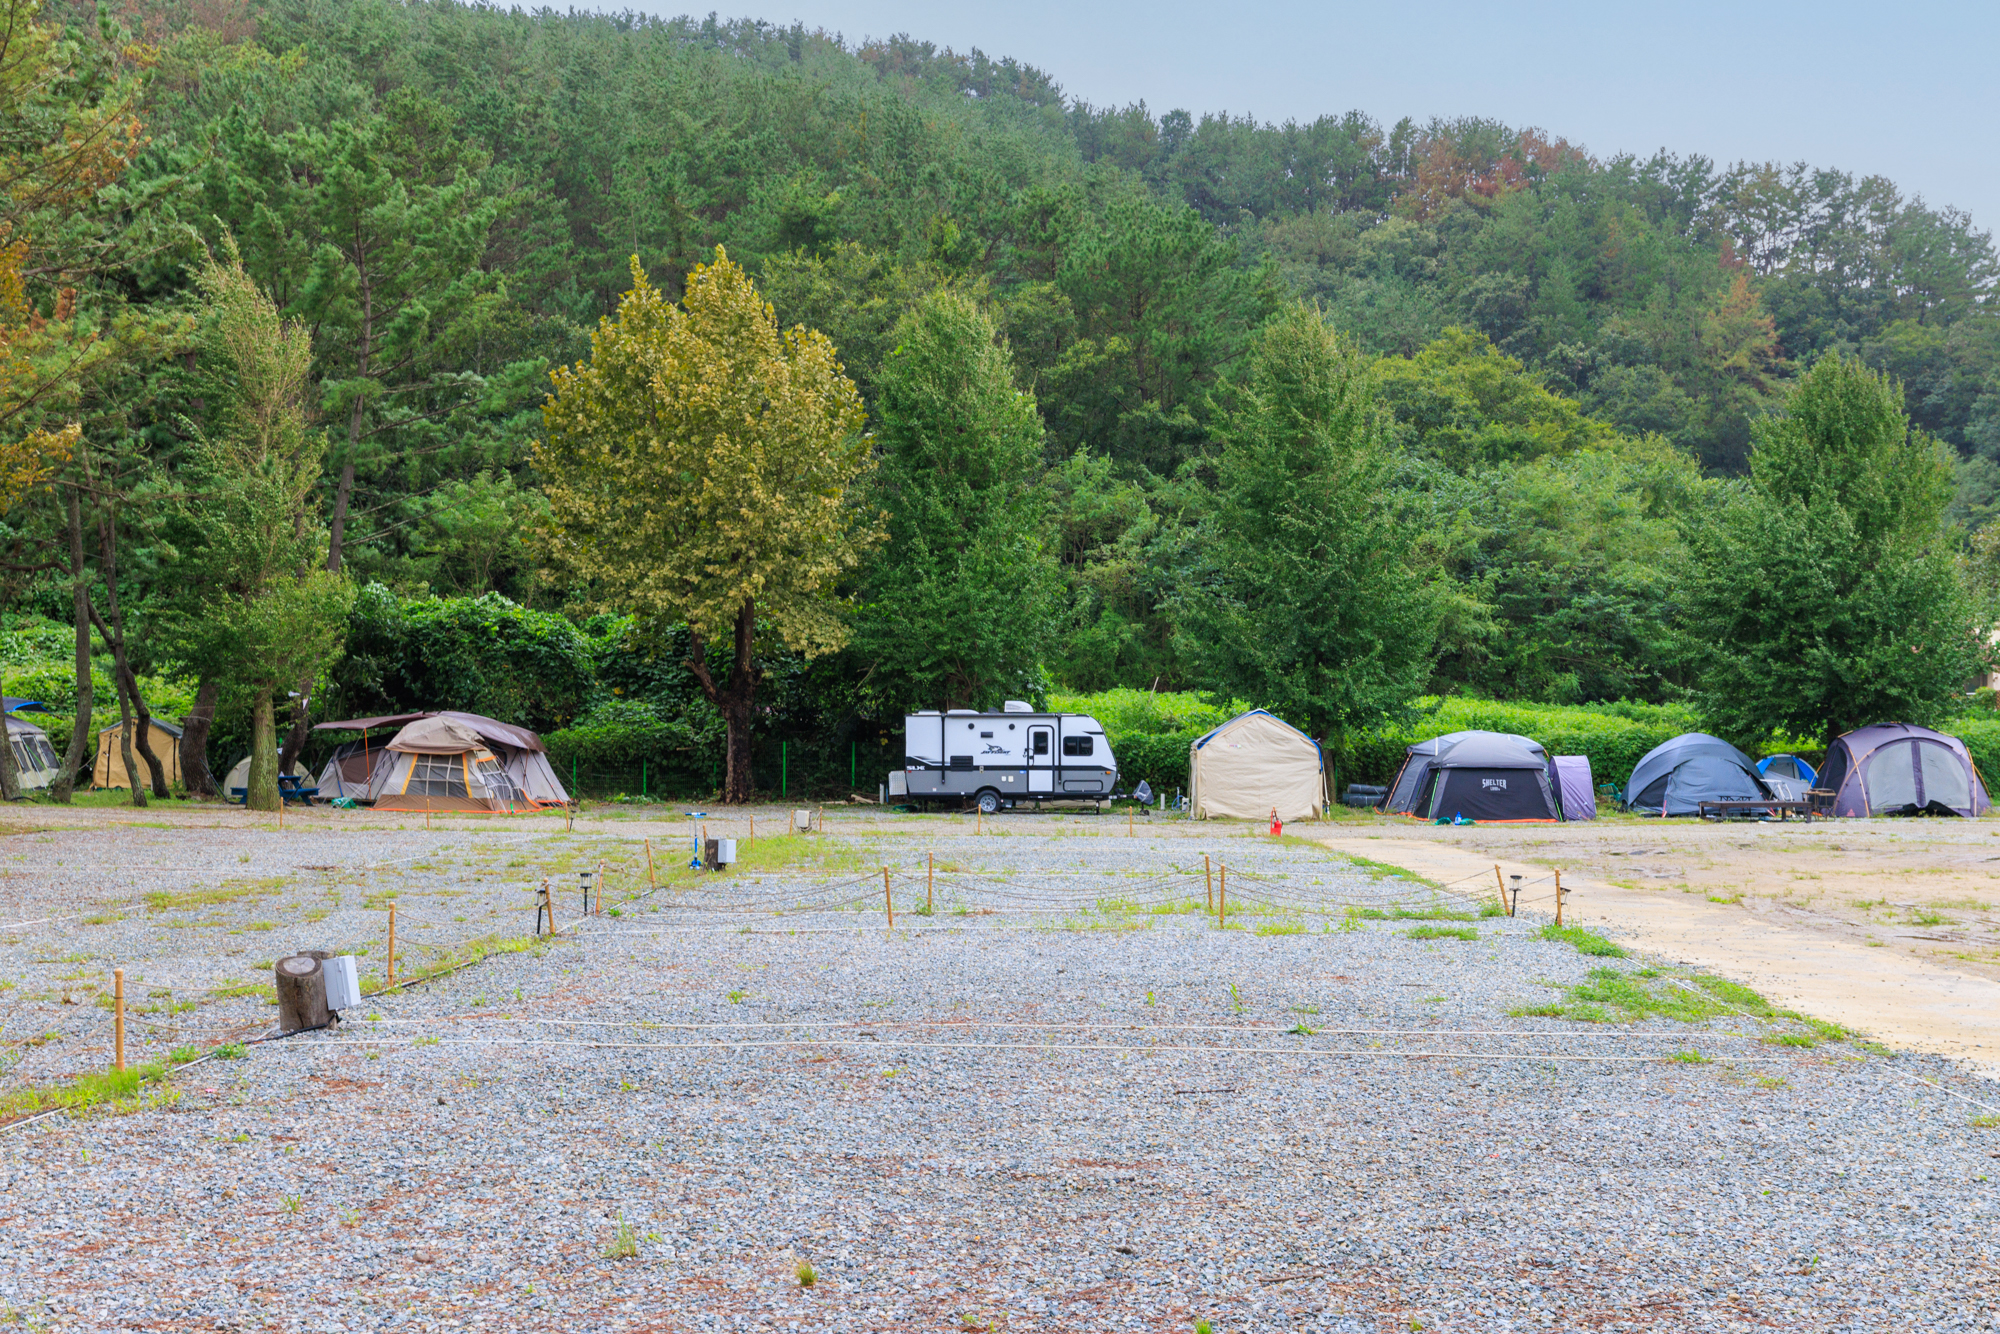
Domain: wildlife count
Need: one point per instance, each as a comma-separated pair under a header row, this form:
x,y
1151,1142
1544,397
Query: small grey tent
x,y
1676,776
1252,765
34,758
1415,787
1574,788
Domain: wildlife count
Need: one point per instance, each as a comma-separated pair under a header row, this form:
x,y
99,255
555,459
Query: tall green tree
x,y
1827,594
1306,595
698,470
961,604
259,610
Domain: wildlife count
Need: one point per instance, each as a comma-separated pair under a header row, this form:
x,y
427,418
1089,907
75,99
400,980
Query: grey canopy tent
x,y
1897,769
1676,776
1489,777
1413,788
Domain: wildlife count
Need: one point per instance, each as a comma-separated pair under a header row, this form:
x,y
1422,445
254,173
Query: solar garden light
x,y
1514,891
583,878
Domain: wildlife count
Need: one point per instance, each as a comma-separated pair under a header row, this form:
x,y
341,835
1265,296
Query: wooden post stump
x,y
301,983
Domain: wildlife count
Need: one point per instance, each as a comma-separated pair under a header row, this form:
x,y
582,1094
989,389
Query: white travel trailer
x,y
999,759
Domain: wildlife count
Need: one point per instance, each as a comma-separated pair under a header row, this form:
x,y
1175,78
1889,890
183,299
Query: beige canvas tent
x,y
360,769
442,764
34,758
110,768
1252,764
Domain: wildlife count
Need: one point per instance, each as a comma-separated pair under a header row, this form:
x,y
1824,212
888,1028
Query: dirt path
x,y
1818,963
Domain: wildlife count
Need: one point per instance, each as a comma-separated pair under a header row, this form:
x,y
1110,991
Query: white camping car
x,y
996,759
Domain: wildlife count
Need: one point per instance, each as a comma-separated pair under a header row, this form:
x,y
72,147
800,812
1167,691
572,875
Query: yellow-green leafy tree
x,y
699,471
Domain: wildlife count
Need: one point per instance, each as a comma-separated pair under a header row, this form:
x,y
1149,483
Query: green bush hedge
x,y
1981,735
1150,731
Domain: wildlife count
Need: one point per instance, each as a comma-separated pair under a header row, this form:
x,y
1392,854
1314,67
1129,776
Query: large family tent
x,y
440,764
1576,791
1489,777
110,768
1254,764
362,769
35,760
1676,776
1896,769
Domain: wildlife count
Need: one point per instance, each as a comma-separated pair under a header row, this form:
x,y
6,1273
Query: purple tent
x,y
1897,769
1573,786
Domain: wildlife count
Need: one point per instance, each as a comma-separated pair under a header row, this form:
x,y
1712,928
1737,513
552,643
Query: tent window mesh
x,y
1891,779
24,757
48,752
1944,774
437,776
492,773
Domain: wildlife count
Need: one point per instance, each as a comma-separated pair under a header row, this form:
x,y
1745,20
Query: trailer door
x,y
1041,760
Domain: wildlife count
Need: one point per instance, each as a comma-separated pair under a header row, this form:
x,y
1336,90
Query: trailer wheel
x,y
989,801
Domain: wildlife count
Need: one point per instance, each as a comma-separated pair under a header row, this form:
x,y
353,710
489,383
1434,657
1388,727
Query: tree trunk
x,y
295,739
125,735
343,495
734,701
10,776
127,679
80,751
262,785
195,773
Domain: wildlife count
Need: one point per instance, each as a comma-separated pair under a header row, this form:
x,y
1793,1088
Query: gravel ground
x,y
1064,1100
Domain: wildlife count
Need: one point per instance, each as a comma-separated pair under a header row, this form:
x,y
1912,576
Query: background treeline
x,y
1567,354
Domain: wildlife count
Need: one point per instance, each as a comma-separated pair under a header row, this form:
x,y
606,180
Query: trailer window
x,y
1038,741
1076,745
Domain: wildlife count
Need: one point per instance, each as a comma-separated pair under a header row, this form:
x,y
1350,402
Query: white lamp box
x,y
343,982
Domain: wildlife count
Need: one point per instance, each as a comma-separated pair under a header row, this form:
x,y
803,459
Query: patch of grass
x,y
231,1051
100,919
264,989
1790,1040
1725,898
1689,1058
805,1274
1280,929
1586,942
738,997
1925,917
261,926
1384,871
465,954
1986,1121
426,1040
1442,933
624,1243
229,891
110,1093
1491,910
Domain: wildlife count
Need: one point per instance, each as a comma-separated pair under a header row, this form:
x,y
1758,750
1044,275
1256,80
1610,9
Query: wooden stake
x,y
1128,822
281,818
979,823
1559,898
427,817
753,826
930,878
651,883
1208,875
392,942
1222,900
118,1002
1504,907
889,898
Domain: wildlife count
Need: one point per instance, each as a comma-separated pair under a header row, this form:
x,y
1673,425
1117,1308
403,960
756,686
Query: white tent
x,y
1253,764
34,758
442,764
238,781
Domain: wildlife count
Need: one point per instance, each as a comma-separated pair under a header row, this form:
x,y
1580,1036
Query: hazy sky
x,y
1906,90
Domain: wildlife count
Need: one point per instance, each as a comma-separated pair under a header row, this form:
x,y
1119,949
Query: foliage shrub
x,y
1150,731
1615,736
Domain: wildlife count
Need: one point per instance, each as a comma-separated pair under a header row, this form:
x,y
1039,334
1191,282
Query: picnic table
x,y
1760,806
291,788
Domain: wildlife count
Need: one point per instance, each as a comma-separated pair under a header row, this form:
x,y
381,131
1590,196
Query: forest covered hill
x,y
1570,351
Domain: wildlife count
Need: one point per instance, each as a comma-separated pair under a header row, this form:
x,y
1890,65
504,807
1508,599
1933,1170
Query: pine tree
x,y
961,604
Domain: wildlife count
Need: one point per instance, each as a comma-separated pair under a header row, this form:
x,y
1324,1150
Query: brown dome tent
x,y
361,769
